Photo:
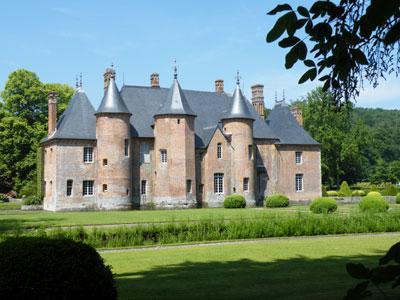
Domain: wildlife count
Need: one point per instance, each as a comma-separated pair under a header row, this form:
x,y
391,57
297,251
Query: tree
x,y
351,40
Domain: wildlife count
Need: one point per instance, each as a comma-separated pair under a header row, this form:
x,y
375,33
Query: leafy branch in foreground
x,y
352,40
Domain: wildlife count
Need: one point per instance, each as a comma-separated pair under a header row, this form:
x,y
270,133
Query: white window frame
x,y
299,182
88,155
219,151
298,157
143,187
70,184
88,188
246,184
164,156
218,183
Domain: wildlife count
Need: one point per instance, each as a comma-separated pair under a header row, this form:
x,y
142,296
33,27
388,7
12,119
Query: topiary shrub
x,y
33,200
3,198
43,268
373,204
234,201
332,193
324,191
390,190
276,200
358,193
323,205
344,190
398,198
374,193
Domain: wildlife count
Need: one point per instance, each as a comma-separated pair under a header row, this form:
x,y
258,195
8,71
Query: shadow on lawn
x,y
12,224
297,278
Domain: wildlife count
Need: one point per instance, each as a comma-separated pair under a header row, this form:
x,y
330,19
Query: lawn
x,y
10,206
306,268
25,219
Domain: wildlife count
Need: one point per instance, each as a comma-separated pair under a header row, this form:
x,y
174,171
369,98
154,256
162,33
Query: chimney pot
x,y
219,86
155,80
52,112
257,99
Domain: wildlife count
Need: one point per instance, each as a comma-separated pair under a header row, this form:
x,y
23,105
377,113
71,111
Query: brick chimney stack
x,y
52,111
298,114
219,86
257,99
155,80
110,72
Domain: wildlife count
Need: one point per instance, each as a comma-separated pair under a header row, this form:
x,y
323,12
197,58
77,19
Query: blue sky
x,y
209,39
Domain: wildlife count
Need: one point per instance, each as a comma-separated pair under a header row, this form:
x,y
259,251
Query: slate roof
x,y
112,101
284,124
78,120
239,109
175,103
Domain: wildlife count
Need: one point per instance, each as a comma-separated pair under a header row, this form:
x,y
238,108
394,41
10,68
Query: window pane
x,y
163,156
88,154
143,187
298,157
188,186
69,187
219,183
299,182
246,184
87,187
219,151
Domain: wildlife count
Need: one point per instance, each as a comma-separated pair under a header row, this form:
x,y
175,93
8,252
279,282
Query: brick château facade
x,y
174,148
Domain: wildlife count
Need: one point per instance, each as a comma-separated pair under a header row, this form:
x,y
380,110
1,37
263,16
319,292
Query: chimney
x,y
52,110
110,72
219,86
298,114
257,99
155,80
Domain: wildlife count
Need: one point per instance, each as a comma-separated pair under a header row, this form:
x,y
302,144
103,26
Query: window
x,y
105,162
105,188
299,182
178,121
219,150
201,188
143,187
144,153
87,187
250,152
69,187
126,147
298,158
245,184
88,154
188,186
163,156
218,183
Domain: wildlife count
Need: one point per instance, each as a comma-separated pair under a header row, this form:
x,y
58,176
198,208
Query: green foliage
x,y
398,198
39,172
323,205
234,201
383,274
42,268
33,200
324,191
373,204
390,190
3,198
358,193
332,193
344,190
276,200
374,194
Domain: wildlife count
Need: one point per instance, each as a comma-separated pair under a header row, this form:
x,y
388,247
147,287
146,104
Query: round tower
x,y
114,180
238,125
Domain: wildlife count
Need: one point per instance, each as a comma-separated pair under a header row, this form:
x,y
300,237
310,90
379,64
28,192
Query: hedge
x,y
276,200
332,193
398,198
344,190
33,200
323,205
234,201
359,193
373,204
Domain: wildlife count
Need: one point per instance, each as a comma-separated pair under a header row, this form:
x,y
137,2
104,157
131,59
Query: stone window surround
x,y
299,183
219,183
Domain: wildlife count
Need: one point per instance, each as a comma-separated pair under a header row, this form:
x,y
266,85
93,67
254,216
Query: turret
x,y
174,147
238,125
114,180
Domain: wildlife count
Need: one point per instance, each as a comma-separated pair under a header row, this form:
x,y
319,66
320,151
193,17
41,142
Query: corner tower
x,y
174,147
114,183
238,124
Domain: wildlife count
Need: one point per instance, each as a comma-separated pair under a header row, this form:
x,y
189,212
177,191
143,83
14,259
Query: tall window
x,y
87,188
144,153
188,186
69,187
219,150
246,184
143,187
88,154
126,146
250,152
164,157
299,182
218,183
298,158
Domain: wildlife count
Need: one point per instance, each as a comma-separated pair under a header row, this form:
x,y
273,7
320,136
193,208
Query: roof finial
x,y
238,78
80,80
175,70
76,81
276,97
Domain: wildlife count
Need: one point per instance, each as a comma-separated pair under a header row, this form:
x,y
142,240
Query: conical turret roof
x,y
239,109
112,101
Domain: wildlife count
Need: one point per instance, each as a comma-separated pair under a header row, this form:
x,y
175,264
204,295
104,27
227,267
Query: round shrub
x,y
358,193
390,190
332,193
43,268
374,193
234,201
33,200
323,205
373,203
398,198
276,200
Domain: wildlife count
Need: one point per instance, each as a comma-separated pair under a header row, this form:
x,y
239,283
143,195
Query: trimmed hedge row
x,y
276,200
323,205
373,203
234,201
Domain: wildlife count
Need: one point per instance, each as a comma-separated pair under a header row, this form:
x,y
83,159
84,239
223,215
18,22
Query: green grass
x,y
10,206
33,219
269,269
